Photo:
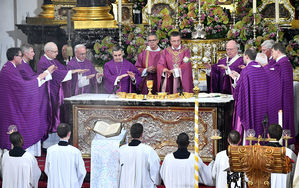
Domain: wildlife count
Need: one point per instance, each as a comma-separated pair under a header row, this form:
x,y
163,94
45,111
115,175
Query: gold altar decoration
x,y
215,136
127,9
286,11
205,48
157,6
258,162
53,14
296,74
161,125
93,17
150,84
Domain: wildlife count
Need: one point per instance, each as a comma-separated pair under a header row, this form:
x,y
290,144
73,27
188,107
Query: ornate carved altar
x,y
163,120
258,162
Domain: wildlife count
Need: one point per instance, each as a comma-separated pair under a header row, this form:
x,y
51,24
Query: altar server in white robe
x,y
20,168
280,180
178,168
221,163
64,164
139,163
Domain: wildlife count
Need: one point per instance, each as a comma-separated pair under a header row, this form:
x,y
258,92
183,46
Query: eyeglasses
x,y
230,49
154,40
53,51
82,54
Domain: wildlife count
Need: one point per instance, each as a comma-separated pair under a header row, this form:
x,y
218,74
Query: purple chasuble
x,y
251,98
145,60
20,106
114,69
275,92
170,58
220,82
26,71
55,90
271,62
93,84
286,74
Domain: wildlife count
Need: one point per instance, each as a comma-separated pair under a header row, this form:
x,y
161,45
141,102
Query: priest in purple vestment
x,y
251,96
175,76
54,86
88,81
267,46
218,77
147,63
275,91
20,102
286,75
120,74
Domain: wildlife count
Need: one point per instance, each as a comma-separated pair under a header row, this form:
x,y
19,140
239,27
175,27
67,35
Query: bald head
x,y
231,48
51,50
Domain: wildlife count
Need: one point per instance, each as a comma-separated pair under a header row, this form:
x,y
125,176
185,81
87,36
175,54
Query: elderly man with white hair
x,y
267,46
55,85
88,81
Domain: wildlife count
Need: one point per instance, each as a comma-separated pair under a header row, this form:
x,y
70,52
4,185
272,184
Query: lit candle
x,y
149,7
254,7
280,117
119,11
277,11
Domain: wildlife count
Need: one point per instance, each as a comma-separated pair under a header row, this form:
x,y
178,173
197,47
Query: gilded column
x,y
48,10
93,14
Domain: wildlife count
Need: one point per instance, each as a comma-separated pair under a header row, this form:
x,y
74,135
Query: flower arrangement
x,y
242,31
293,51
213,17
103,50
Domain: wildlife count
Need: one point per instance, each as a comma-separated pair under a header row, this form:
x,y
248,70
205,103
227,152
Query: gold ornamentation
x,y
258,162
158,3
161,125
176,55
269,5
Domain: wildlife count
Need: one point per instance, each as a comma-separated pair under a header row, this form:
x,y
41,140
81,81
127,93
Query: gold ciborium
x,y
149,84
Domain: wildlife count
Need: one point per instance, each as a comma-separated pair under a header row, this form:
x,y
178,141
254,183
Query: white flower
x,y
186,59
195,49
205,59
137,30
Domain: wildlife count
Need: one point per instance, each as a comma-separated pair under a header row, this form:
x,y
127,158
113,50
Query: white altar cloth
x,y
105,160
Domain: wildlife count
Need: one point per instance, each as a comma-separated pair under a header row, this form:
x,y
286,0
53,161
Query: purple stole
x,y
114,69
93,84
55,90
145,60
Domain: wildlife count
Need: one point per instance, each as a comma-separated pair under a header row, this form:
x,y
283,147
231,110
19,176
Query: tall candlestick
x,y
280,117
199,10
149,7
254,7
119,11
277,11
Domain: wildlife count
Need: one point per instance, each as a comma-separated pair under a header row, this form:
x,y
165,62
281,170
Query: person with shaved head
x,y
218,79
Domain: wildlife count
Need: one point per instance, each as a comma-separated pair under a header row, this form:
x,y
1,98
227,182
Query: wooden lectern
x,y
258,162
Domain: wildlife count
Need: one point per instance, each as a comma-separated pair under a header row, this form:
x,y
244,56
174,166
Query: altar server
x,y
221,164
147,63
20,102
64,164
218,77
251,95
88,81
20,168
178,167
286,75
280,180
175,76
55,85
139,163
120,74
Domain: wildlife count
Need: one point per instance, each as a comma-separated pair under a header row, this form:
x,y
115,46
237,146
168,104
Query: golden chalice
x,y
149,84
